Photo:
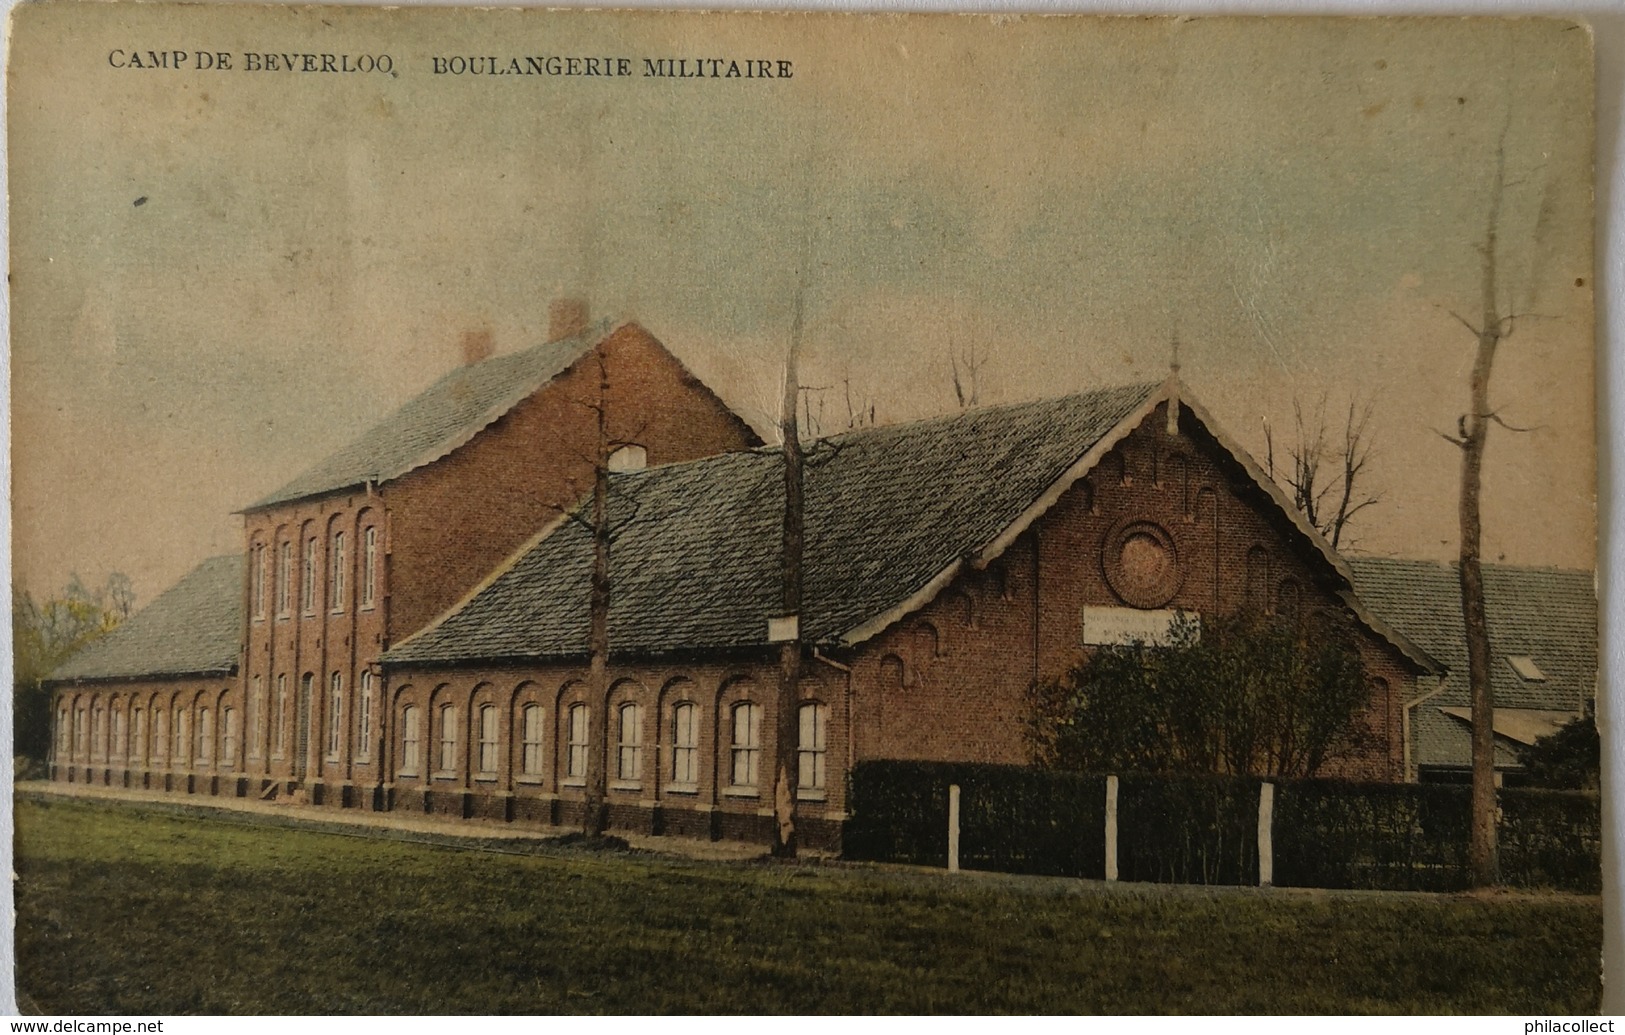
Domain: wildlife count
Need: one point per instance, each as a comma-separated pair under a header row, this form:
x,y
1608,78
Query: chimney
x,y
477,346
566,318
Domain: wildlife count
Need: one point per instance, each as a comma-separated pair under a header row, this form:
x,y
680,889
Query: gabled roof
x,y
193,628
893,515
1546,614
441,418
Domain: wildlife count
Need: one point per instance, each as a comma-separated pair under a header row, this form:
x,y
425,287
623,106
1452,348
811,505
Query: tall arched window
x,y
256,567
256,717
488,739
335,715
98,731
576,760
228,736
336,590
629,744
813,744
138,735
307,583
369,566
411,747
685,744
448,738
284,578
364,719
746,745
531,729
80,745
64,734
279,718
160,733
205,735
183,733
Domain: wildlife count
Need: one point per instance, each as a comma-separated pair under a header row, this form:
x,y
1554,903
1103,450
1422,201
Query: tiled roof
x,y
444,416
695,559
1546,614
194,627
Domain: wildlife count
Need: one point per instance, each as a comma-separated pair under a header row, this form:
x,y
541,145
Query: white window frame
x,y
335,716
579,721
685,746
369,567
182,732
257,563
284,578
745,748
81,733
532,726
138,734
64,731
411,741
336,577
115,745
205,736
629,745
256,717
307,583
160,734
447,757
280,747
364,718
228,737
488,759
812,750
98,731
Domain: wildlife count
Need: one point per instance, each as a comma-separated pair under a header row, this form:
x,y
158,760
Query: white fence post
x,y
1266,838
1111,828
953,828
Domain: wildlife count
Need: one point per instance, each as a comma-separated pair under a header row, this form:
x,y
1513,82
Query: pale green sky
x,y
1297,199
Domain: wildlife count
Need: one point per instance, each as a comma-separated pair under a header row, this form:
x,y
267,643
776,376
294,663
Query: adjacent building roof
x,y
193,628
1547,616
443,417
892,515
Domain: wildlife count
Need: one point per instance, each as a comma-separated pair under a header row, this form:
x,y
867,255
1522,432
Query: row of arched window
x,y
741,762
280,583
93,731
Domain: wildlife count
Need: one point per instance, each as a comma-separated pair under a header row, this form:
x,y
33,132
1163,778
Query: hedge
x,y
1204,829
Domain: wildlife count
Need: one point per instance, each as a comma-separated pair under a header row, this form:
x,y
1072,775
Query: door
x,y
301,727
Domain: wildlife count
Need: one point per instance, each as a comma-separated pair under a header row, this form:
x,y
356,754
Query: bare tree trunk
x,y
592,818
1474,433
788,724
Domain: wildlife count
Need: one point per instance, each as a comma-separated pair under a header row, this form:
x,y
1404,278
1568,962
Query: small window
x,y
183,734
488,739
307,587
448,738
337,588
284,578
160,734
813,744
369,566
531,762
205,735
364,719
279,719
631,457
335,715
576,763
747,745
228,736
629,758
116,749
685,741
410,744
1526,668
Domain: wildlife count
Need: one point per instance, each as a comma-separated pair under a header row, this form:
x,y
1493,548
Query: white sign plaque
x,y
1117,625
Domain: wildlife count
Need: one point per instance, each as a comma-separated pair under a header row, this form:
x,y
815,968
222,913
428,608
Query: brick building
x,y
410,616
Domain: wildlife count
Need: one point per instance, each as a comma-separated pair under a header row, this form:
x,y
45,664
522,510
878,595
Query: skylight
x,y
1525,666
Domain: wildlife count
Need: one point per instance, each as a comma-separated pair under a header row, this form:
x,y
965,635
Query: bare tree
x,y
1327,479
787,724
965,366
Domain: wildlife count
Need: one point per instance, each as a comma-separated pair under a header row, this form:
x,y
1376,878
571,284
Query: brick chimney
x,y
566,318
477,346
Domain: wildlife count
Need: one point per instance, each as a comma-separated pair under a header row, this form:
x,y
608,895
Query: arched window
x,y
228,736
410,742
531,729
335,715
364,719
813,745
630,457
488,739
280,717
746,745
369,566
80,745
892,674
629,744
98,731
183,733
685,744
256,567
138,735
448,738
927,643
284,578
337,588
116,748
64,742
205,735
576,760
256,717
307,583
160,733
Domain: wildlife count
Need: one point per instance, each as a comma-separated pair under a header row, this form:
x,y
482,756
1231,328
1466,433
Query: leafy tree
x,y
44,634
1569,759
1244,694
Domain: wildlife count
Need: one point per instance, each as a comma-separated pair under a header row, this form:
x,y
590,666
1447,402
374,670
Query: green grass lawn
x,y
141,912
